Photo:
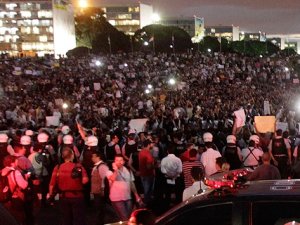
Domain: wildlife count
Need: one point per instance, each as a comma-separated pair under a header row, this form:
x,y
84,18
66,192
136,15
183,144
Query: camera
x,y
76,172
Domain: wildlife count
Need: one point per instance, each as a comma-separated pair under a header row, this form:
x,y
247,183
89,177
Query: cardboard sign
x,y
138,124
265,124
52,121
240,118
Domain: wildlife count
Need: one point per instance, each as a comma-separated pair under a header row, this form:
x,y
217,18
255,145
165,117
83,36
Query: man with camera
x,y
68,179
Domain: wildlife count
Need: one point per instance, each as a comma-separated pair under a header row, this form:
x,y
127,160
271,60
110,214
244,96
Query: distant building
x,y
36,27
187,24
260,36
286,41
127,18
231,33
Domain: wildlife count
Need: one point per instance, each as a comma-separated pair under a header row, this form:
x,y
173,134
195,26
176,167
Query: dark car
x,y
252,203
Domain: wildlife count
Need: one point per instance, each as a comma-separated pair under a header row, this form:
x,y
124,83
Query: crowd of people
x,y
188,100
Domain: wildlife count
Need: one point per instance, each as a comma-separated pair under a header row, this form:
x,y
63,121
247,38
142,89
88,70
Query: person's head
x,y
171,149
285,134
231,140
219,162
67,154
197,173
266,158
97,156
193,154
254,138
278,133
207,137
141,217
10,161
147,144
119,161
225,167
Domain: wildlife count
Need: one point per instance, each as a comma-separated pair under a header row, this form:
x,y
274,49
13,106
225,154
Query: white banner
x,y
267,110
52,121
138,124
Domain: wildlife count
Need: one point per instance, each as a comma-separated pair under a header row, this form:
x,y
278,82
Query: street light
x,y
83,3
150,86
209,50
98,63
147,91
286,69
172,81
155,18
65,105
125,64
146,43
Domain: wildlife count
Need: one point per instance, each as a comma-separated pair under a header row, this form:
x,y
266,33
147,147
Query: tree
x,y
165,38
93,31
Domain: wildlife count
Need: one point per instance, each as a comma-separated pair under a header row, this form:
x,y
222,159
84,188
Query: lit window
x,y
25,14
11,6
35,22
1,38
1,23
43,38
7,38
2,14
124,16
45,14
213,30
15,38
35,30
137,9
25,30
3,30
112,22
50,29
11,14
13,30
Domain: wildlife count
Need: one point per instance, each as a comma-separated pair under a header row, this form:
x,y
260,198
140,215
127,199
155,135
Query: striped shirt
x,y
186,168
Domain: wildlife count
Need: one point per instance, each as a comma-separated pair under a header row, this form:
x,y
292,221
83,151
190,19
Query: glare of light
x,y
155,18
172,81
98,63
83,3
146,43
65,105
260,56
125,64
209,50
147,91
243,33
150,86
286,69
171,46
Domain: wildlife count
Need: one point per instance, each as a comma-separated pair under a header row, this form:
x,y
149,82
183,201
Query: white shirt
x,y
190,191
171,166
250,160
208,159
120,188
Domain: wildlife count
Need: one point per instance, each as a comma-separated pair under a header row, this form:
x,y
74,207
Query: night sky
x,y
271,16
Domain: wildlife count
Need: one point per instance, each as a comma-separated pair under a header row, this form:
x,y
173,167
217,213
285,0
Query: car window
x,y
278,213
220,214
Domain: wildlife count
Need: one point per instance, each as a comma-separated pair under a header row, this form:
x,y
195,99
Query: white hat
x,y
207,137
65,129
254,138
3,138
42,137
91,141
131,131
68,139
231,139
25,140
29,133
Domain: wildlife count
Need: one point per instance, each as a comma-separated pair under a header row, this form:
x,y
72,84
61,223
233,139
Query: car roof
x,y
251,190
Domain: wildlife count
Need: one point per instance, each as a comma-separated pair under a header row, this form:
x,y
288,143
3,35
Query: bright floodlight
x,y
242,32
209,50
98,63
155,18
147,91
171,46
146,43
150,86
260,56
125,64
286,69
83,3
172,81
65,106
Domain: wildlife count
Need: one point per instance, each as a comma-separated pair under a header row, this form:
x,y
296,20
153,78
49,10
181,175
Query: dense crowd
x,y
188,101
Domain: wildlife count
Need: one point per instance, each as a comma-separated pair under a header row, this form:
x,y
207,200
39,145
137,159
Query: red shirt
x,y
146,159
69,187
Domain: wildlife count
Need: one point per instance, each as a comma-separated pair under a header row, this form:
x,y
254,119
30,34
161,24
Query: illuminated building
x,y
127,18
36,27
260,36
231,33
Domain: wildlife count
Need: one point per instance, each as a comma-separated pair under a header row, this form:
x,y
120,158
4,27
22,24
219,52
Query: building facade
x,y
36,27
231,33
128,18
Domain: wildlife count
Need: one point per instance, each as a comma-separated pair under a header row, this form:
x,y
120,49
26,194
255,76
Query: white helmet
x,y
65,129
91,141
68,139
231,139
25,140
29,133
42,137
207,137
3,138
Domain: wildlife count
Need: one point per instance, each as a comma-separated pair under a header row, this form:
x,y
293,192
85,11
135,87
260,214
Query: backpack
x,y
5,192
